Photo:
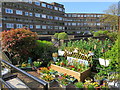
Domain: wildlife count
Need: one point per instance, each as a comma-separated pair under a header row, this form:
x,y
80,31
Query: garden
x,y
91,63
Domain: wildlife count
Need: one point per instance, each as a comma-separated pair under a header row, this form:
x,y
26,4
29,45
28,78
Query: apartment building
x,y
81,22
40,17
47,18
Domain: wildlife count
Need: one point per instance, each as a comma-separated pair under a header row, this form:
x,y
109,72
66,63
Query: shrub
x,y
43,51
18,42
100,33
62,36
79,85
56,35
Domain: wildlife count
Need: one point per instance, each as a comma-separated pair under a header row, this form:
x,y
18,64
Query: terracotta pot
x,y
97,88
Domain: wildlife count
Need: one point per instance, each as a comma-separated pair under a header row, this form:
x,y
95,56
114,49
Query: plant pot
x,y
104,62
97,88
60,53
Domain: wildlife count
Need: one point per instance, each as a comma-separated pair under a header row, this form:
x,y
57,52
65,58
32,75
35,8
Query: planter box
x,y
80,76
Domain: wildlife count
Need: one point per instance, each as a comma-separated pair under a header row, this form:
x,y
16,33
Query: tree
x,y
19,42
113,9
111,18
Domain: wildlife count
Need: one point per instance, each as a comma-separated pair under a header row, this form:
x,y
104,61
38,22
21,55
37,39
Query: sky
x,y
85,6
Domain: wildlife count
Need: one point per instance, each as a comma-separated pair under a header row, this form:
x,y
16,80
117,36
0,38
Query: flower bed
x,y
80,76
52,76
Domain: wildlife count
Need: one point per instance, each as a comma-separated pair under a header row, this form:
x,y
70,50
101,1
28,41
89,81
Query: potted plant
x,y
79,85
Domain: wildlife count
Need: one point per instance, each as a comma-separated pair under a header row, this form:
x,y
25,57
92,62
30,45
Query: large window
x,y
56,8
31,26
60,27
19,12
43,16
56,18
74,24
37,3
38,26
0,24
60,9
50,17
19,25
43,5
30,14
7,10
60,18
44,27
26,13
0,10
50,27
9,25
37,15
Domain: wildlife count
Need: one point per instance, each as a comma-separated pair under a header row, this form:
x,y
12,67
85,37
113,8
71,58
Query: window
x,y
55,27
38,26
30,14
26,13
98,24
60,18
31,26
37,3
56,8
43,5
60,27
30,1
0,10
50,27
78,15
74,15
81,15
56,18
19,25
49,6
50,17
0,24
69,24
74,24
19,12
65,23
43,16
85,15
37,15
44,27
60,9
7,10
10,25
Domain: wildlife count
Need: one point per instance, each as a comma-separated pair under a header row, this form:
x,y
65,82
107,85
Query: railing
x,y
42,82
5,84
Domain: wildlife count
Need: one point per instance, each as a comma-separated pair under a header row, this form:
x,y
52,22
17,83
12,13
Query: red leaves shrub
x,y
19,42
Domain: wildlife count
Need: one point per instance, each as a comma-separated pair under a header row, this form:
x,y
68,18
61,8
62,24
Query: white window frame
x,y
43,5
18,12
44,16
19,25
44,27
8,10
37,3
37,15
26,13
30,14
31,26
9,25
38,26
0,24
